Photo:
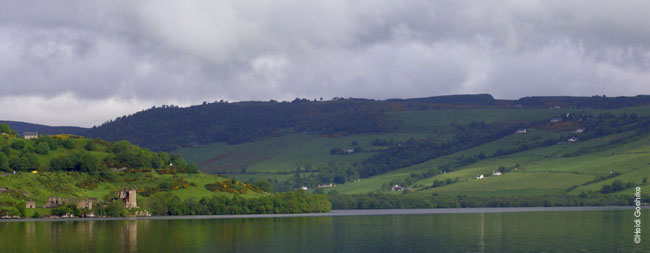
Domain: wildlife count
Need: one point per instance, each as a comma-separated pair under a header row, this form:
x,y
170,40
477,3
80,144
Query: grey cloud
x,y
132,53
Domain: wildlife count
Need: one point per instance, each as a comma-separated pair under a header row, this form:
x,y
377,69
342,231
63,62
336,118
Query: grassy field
x,y
283,154
546,171
442,119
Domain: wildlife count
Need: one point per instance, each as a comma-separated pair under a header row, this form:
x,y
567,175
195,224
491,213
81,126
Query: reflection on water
x,y
607,231
131,232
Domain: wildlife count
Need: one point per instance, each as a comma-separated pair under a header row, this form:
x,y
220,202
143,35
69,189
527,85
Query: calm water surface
x,y
559,231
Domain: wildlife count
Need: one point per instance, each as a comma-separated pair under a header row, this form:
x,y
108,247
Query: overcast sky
x,y
82,62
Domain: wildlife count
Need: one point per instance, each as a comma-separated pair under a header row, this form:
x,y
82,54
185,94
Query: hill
x,y
77,169
563,152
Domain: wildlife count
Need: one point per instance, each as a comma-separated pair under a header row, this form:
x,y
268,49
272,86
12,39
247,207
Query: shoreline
x,y
352,212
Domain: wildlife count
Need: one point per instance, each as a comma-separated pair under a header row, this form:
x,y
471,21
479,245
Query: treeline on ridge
x,y
171,127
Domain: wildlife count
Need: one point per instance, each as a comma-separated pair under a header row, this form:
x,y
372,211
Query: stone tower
x,y
131,199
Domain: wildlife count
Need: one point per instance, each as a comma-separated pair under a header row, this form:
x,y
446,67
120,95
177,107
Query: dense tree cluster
x,y
5,129
288,202
75,153
616,186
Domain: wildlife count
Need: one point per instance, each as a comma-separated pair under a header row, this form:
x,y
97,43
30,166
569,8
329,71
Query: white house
x,y
573,139
521,131
30,135
580,130
480,176
496,173
556,120
396,188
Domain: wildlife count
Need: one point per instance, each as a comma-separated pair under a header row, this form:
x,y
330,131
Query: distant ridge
x,y
462,99
22,127
170,127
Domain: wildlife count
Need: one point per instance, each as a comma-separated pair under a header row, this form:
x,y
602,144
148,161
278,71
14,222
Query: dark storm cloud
x,y
94,60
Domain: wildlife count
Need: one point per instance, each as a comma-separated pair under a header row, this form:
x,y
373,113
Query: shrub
x,y
42,148
18,145
88,184
115,209
68,143
90,145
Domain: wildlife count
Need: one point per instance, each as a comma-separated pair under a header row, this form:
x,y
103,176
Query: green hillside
x,y
76,169
441,152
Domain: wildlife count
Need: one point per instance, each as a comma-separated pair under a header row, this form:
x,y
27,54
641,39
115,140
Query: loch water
x,y
556,231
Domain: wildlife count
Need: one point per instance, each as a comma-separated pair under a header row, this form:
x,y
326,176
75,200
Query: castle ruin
x,y
128,197
87,204
53,202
